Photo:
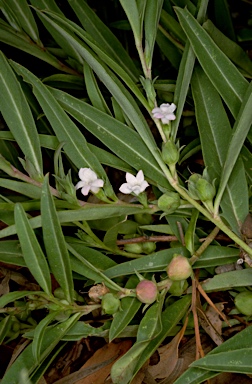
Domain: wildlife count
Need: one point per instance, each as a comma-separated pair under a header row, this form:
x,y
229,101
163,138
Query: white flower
x,y
89,181
164,112
135,184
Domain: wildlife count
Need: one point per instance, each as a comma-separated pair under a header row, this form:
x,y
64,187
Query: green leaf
x,y
231,49
20,41
113,84
93,90
231,361
17,114
223,18
39,334
155,262
216,255
12,296
119,138
5,326
26,360
123,369
135,17
104,37
93,272
63,43
150,325
238,343
32,252
215,135
170,317
75,144
227,280
151,19
10,252
25,18
185,73
22,188
129,307
54,241
88,212
190,232
221,71
240,131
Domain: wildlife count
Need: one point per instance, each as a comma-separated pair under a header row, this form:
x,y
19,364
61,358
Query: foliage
x,y
142,87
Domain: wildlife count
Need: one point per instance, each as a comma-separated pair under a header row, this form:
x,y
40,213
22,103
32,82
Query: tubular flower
x,y
89,181
164,112
135,184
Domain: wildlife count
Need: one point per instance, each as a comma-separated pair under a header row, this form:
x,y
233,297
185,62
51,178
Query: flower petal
x,y
125,188
85,190
140,177
131,179
80,184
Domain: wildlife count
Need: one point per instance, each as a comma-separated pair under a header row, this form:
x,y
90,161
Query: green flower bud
x,y
149,247
178,287
169,202
179,268
110,304
170,153
192,185
59,293
133,248
146,291
205,190
243,302
143,218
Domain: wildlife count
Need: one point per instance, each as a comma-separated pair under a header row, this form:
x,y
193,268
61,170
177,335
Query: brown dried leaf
x,y
105,353
211,323
168,352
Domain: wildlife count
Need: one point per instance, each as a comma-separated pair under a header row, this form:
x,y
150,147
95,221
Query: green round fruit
x,y
110,303
243,302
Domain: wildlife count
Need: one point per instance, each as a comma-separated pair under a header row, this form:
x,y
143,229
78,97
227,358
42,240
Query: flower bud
x,y
146,291
179,268
169,202
192,185
134,248
149,247
110,304
205,190
170,153
143,218
243,302
178,287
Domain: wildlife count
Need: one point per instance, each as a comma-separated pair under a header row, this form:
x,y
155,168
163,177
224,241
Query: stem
x,y
203,247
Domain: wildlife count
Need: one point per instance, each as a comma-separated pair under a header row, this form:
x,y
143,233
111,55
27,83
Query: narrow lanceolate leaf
x,y
215,135
64,44
151,19
39,333
18,116
104,37
129,306
54,240
25,19
118,137
53,335
221,71
185,74
32,252
66,131
240,131
113,84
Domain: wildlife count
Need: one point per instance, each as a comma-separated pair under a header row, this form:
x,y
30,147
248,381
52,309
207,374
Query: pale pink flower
x,y
135,184
89,181
164,112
